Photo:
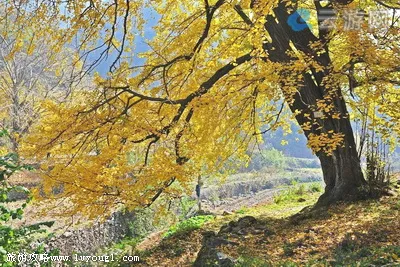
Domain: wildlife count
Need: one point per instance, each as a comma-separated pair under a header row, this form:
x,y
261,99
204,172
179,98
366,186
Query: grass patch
x,y
187,225
128,243
361,257
375,256
358,234
248,261
297,192
242,210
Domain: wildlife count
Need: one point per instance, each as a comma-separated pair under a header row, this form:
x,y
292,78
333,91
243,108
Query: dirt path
x,y
234,204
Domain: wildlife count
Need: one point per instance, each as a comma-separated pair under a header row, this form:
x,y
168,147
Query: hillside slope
x,y
360,234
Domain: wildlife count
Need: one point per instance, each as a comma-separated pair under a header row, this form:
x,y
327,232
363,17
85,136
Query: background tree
x,y
212,82
30,72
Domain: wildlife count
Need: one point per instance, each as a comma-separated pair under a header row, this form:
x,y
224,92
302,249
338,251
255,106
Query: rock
x,y
390,193
67,234
232,224
246,221
209,254
257,231
243,226
268,232
225,229
242,232
224,259
260,226
309,230
226,213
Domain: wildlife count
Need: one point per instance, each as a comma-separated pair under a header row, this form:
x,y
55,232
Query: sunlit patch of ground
x,y
334,234
182,249
365,232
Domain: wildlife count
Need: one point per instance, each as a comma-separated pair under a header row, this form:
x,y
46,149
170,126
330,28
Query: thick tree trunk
x,y
341,170
343,177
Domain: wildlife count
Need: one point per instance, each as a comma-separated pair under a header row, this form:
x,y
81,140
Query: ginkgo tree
x,y
30,71
217,75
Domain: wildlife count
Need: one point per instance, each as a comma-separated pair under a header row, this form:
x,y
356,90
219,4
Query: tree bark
x,y
198,193
342,170
15,118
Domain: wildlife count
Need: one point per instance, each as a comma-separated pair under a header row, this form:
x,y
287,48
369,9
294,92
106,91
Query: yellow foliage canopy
x,y
205,93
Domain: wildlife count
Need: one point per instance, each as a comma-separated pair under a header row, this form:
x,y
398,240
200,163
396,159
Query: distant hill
x,y
297,143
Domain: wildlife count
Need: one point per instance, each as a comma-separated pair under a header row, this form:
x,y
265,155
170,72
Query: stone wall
x,y
92,238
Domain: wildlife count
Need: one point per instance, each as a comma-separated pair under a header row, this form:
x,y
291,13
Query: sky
x,y
140,43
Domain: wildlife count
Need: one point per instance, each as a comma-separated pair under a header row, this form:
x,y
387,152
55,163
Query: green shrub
x,y
188,225
268,158
300,190
285,196
128,242
295,163
186,205
15,240
141,224
315,187
290,195
297,189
